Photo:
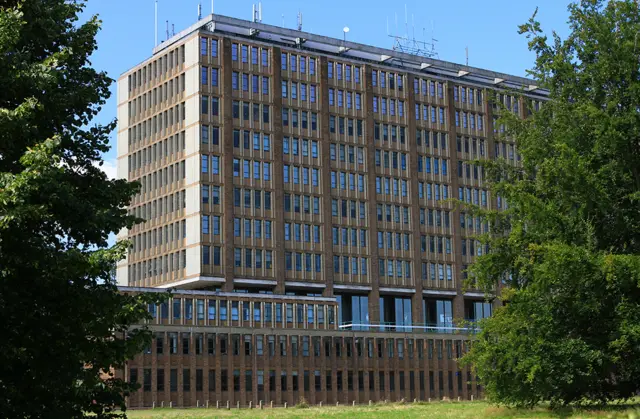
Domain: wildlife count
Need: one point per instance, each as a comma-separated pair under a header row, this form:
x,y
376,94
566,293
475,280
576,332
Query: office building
x,y
297,191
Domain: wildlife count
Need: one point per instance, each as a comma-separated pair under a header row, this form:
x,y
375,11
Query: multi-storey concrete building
x,y
298,190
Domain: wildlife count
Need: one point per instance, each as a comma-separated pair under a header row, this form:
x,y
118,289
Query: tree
x,y
62,317
567,248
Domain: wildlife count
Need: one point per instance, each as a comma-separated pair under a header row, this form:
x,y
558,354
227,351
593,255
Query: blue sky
x,y
488,28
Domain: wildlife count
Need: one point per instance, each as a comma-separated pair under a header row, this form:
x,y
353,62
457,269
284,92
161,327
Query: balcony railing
x,y
415,328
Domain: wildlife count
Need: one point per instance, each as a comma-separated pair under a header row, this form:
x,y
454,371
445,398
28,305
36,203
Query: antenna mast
x,y
412,45
299,20
167,30
199,11
155,22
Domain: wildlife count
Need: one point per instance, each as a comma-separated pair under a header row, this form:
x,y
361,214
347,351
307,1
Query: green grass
x,y
435,410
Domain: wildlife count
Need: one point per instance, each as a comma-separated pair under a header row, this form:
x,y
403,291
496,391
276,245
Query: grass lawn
x,y
436,410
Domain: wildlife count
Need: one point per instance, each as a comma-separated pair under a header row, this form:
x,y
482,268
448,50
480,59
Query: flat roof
x,y
292,38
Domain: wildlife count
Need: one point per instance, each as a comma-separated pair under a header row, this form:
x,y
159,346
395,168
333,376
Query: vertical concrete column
x,y
325,153
227,161
278,180
416,304
458,301
374,277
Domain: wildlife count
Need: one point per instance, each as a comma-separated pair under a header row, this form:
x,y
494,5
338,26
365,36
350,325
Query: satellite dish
x,y
345,29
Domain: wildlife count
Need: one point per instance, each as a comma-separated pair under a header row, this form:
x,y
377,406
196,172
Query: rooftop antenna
x,y
211,6
260,10
283,20
173,29
155,38
466,51
167,30
199,11
299,20
257,12
406,23
345,30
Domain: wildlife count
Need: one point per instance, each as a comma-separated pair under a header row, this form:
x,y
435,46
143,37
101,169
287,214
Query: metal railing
x,y
415,328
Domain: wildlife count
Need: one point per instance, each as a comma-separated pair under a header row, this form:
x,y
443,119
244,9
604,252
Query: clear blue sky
x,y
487,27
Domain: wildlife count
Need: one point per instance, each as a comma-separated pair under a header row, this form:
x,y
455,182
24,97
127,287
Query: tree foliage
x,y
62,318
567,249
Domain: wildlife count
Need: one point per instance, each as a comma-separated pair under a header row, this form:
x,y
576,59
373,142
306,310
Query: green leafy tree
x,y
567,248
62,320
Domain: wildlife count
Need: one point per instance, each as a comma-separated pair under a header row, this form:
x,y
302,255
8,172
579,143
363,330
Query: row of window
x,y
292,89
346,153
215,164
473,247
465,170
299,119
469,120
387,239
159,236
471,145
293,174
391,159
296,147
423,84
506,151
435,244
170,60
161,149
345,125
158,266
397,268
162,177
383,77
225,310
246,106
241,81
252,228
161,206
386,129
434,191
156,96
473,195
207,258
467,95
355,181
252,140
298,63
252,169
394,106
348,208
438,139
210,108
391,186
341,68
355,380
253,258
157,124
211,224
258,55
439,165
294,261
436,272
345,236
252,198
467,221
350,265
345,98
208,47
301,204
386,211
434,218
302,232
